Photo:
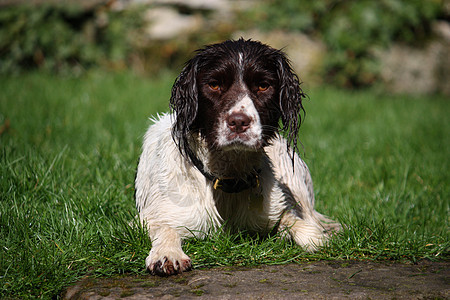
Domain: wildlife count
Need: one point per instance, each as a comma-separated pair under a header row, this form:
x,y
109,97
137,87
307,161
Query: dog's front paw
x,y
165,263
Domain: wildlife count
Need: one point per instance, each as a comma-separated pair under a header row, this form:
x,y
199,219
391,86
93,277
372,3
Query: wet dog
x,y
219,157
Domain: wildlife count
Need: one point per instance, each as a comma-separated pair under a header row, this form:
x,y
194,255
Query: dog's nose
x,y
238,122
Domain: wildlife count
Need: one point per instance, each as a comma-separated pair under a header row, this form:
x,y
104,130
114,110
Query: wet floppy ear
x,y
184,104
290,101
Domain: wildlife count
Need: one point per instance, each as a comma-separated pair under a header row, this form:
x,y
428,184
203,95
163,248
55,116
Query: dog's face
x,y
234,94
238,107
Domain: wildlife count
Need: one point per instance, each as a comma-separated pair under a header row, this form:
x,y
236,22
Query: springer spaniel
x,y
219,158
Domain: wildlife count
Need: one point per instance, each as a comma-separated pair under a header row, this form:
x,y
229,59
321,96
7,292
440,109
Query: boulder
x,y
305,53
418,70
165,23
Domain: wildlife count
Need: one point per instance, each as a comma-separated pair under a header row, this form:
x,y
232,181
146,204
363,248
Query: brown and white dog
x,y
219,158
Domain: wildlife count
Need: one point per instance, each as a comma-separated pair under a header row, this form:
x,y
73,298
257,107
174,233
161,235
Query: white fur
x,y
252,136
176,201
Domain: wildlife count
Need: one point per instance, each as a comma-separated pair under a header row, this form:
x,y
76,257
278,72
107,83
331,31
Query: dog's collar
x,y
227,184
236,185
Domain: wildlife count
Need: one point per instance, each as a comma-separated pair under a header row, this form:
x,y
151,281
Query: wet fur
x,y
175,200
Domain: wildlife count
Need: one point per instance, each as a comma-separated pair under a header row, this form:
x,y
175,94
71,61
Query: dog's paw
x,y
167,263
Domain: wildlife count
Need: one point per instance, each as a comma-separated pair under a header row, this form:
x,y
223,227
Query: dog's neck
x,y
233,163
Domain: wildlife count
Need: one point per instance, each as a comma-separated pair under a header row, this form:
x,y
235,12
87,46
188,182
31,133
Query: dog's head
x,y
234,94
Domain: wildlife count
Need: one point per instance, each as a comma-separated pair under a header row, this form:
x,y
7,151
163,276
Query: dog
x,y
220,158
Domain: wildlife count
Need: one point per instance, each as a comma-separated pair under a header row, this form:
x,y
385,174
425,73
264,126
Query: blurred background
x,y
399,45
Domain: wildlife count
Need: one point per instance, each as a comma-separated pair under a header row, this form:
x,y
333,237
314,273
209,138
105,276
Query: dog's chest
x,y
245,210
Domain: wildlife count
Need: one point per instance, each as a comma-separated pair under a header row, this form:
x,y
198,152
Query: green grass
x,y
67,162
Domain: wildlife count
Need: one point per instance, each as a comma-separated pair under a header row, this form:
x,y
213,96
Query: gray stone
x,y
195,4
166,23
418,70
305,53
318,280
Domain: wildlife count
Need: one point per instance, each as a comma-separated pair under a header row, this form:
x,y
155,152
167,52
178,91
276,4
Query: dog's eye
x,y
262,87
214,85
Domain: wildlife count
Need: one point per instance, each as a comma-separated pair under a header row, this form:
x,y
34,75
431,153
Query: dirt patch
x,y
317,280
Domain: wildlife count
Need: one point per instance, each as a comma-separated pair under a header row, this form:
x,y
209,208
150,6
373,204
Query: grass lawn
x,y
380,164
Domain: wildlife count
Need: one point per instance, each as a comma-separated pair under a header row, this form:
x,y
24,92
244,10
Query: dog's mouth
x,y
238,137
240,142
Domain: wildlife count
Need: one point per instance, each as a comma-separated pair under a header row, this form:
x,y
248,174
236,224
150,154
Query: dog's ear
x,y
184,104
290,101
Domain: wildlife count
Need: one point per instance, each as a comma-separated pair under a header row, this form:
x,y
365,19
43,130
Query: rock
x,y
317,280
166,23
194,4
305,53
418,70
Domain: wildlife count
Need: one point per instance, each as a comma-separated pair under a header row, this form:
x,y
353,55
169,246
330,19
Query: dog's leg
x,y
300,221
166,256
308,234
